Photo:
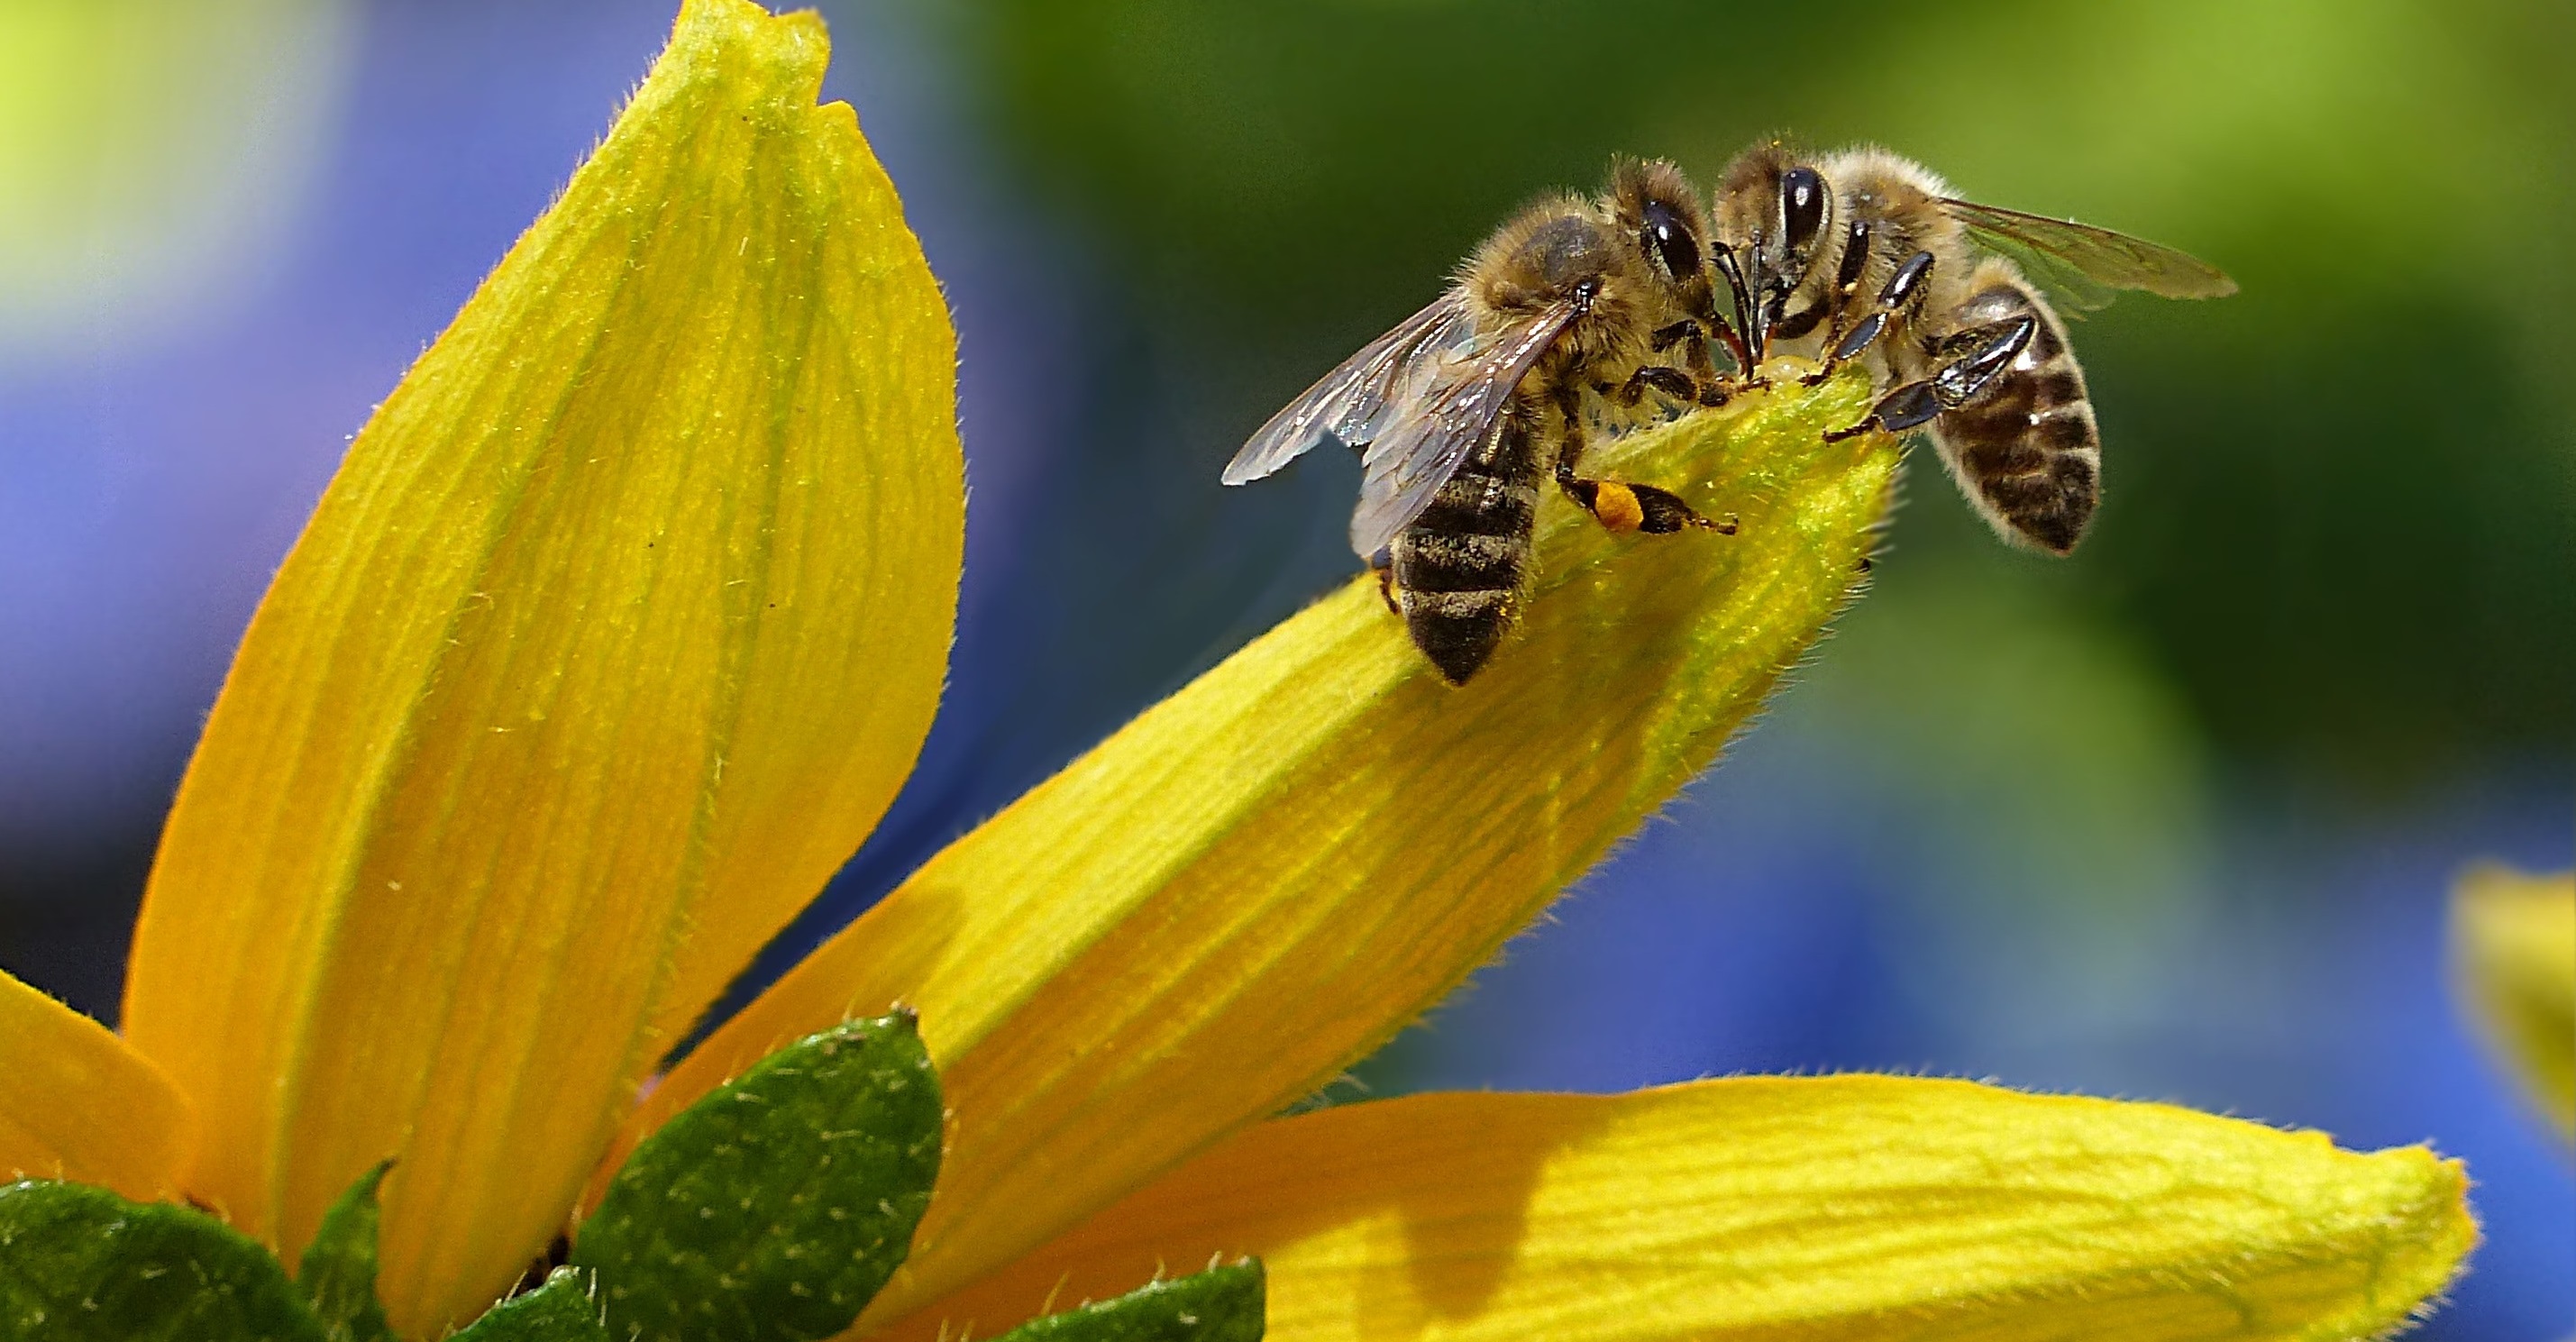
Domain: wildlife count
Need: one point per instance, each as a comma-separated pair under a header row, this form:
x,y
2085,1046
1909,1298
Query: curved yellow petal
x,y
76,1103
1270,873
2513,943
1843,1207
614,635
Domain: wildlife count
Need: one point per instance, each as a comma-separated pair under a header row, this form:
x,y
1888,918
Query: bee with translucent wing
x,y
1567,313
1862,254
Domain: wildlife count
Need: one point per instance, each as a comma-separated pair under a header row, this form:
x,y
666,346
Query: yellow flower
x,y
622,623
2513,948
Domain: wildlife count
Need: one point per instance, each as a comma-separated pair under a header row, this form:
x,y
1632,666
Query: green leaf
x,y
562,1310
1222,1304
338,1276
777,1205
79,1263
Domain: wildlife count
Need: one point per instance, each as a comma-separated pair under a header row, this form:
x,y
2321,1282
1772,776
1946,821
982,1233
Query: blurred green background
x,y
2174,818
2338,524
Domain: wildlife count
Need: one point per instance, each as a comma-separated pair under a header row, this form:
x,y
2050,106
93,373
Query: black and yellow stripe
x,y
2028,449
1459,566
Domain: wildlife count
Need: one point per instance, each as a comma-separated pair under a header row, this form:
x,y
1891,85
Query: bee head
x,y
1654,214
1654,205
1772,209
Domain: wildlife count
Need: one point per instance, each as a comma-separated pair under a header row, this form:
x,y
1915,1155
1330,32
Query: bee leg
x,y
1707,387
1672,382
1736,350
1904,292
1714,390
1837,301
1857,241
1622,507
1696,382
1975,358
1384,566
1795,325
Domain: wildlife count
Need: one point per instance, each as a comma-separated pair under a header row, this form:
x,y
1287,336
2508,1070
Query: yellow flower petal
x,y
618,629
2513,940
76,1103
1847,1207
1266,876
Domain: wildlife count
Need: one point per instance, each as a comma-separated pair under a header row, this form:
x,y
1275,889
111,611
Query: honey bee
x,y
1575,313
1863,254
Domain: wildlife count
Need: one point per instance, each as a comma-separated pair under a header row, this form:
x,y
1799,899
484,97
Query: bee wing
x,y
1435,429
2110,260
1352,402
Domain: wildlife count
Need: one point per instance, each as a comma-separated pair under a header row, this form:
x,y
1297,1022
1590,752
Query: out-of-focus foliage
x,y
152,152
2337,518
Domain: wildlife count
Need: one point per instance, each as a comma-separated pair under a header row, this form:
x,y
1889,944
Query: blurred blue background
x,y
2174,819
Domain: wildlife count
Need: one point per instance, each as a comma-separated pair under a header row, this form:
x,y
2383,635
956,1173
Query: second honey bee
x,y
1584,313
1574,312
1862,254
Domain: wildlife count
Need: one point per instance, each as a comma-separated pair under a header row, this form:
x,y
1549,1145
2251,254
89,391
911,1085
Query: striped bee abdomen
x,y
2026,451
1458,567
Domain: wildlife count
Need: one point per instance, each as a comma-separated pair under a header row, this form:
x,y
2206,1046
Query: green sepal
x,y
338,1274
776,1206
80,1264
1222,1304
562,1310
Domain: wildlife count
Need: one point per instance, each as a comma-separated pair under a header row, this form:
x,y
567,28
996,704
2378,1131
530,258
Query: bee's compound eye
x,y
1670,240
1802,210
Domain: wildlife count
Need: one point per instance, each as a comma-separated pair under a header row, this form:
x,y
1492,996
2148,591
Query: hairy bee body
x,y
2035,480
1866,255
1456,571
1560,323
2027,453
